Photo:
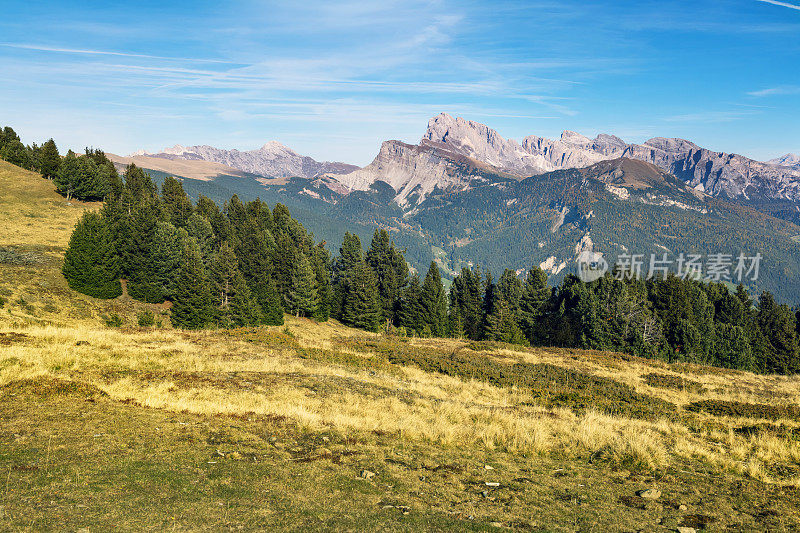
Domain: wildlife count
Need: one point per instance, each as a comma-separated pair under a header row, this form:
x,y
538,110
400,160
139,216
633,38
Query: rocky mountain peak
x,y
788,160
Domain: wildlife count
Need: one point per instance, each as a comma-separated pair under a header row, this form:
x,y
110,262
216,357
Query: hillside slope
x,y
319,426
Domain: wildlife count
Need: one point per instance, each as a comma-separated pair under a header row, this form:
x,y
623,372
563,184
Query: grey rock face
x,y
716,173
788,160
272,160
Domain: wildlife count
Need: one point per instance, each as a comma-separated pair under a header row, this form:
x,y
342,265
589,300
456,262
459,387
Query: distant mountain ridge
x,y
455,154
788,160
273,159
717,173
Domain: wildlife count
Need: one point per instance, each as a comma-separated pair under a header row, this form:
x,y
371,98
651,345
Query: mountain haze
x,y
273,159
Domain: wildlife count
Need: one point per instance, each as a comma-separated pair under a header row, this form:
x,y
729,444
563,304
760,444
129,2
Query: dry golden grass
x,y
32,213
219,373
322,377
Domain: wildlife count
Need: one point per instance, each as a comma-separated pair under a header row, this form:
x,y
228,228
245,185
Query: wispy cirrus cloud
x,y
781,90
710,116
62,50
782,4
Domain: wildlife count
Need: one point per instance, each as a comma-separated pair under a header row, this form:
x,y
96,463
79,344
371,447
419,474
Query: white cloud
x,y
782,4
777,91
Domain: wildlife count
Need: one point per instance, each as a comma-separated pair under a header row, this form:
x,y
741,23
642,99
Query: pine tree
x,y
68,175
510,288
49,159
166,253
466,300
777,325
502,324
192,307
302,296
224,267
350,255
243,309
89,262
433,302
411,313
390,270
199,228
270,302
360,308
533,303
322,270
175,202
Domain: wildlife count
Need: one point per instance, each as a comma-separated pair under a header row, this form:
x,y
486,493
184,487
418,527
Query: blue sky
x,y
334,79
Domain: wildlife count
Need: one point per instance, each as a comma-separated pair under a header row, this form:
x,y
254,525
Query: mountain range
x,y
465,195
271,160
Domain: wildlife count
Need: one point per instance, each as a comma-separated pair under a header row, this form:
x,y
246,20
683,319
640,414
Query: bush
x,y
2,301
113,320
666,381
146,318
745,410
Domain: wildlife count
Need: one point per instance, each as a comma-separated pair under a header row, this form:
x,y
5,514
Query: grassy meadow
x,y
315,425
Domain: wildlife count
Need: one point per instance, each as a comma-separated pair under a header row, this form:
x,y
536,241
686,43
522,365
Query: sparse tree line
x,y
245,265
85,177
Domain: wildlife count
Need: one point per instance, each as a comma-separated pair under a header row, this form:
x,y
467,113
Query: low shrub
x,y
745,410
146,318
667,381
113,320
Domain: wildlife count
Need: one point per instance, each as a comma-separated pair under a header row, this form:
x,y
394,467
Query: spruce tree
x,y
270,302
390,270
433,302
224,267
360,308
350,255
49,159
778,327
89,262
411,313
192,307
321,260
243,309
302,296
466,300
502,324
68,175
533,303
199,228
175,203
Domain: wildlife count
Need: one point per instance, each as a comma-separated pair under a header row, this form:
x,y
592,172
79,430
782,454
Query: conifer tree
x,y
350,255
533,303
224,267
243,309
433,302
199,228
302,297
390,270
175,202
360,308
191,307
68,175
466,300
89,262
322,270
411,314
49,159
778,327
502,324
270,302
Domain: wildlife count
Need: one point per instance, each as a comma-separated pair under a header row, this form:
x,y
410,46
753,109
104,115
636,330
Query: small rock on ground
x,y
649,494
